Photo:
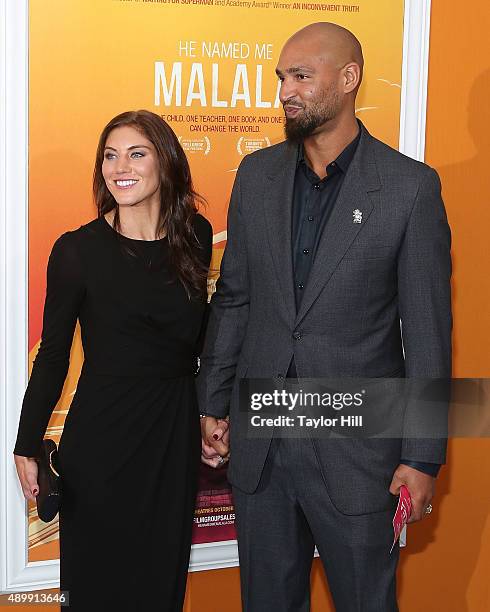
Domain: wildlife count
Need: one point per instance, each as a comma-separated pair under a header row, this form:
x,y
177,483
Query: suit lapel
x,y
361,179
278,201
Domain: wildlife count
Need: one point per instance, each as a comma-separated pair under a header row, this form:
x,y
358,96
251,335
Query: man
x,y
333,239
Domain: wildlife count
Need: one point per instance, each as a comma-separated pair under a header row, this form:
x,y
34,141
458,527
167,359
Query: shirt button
x,y
301,286
333,164
310,218
316,186
297,335
306,251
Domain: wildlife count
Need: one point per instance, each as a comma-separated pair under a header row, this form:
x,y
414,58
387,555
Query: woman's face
x,y
130,168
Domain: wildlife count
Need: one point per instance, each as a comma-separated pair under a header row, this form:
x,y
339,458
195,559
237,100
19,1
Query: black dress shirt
x,y
313,202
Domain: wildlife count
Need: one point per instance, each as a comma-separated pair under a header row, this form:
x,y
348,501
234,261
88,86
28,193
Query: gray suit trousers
x,y
279,524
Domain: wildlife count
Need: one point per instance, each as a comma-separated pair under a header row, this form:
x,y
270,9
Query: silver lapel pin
x,y
357,216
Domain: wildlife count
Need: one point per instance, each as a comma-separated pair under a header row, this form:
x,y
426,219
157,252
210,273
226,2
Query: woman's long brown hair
x,y
178,200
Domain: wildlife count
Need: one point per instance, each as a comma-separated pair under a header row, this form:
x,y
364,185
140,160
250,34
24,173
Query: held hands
x,y
215,445
421,487
27,473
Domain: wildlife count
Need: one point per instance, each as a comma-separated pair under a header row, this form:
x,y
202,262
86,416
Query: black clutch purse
x,y
48,500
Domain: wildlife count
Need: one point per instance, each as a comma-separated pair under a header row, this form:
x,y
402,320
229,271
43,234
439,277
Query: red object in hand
x,y
402,514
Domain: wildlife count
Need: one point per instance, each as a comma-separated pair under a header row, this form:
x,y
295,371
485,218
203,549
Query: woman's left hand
x,y
220,432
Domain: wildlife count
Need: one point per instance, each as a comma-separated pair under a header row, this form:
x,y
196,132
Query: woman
x,y
135,278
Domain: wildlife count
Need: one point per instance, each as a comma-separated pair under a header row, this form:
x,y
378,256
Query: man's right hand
x,y
215,435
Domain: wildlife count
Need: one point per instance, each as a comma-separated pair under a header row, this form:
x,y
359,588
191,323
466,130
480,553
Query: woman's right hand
x,y
27,473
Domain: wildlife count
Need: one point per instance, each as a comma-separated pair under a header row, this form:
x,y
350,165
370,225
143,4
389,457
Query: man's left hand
x,y
420,486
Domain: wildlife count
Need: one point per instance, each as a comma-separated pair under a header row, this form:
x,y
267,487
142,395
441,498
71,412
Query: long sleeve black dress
x,y
129,451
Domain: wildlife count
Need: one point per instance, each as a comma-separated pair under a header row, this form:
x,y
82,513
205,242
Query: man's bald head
x,y
330,41
320,69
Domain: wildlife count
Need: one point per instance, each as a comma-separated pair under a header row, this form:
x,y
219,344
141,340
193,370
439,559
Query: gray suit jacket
x,y
366,277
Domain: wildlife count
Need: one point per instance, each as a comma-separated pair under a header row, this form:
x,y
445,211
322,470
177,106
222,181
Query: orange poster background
x,y
92,59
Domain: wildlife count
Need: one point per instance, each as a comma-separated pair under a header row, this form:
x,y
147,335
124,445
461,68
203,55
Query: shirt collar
x,y
343,160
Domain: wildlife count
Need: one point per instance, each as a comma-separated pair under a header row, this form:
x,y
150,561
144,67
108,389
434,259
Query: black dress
x,y
129,451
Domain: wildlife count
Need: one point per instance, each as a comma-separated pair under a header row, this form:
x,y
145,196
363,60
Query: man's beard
x,y
323,109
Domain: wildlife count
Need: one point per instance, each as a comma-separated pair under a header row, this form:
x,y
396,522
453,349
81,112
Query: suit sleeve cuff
x,y
432,469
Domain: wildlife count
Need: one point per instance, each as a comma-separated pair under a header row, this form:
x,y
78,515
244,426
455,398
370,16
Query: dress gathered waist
x,y
131,369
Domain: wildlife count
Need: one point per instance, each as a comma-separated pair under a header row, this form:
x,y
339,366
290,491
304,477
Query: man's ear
x,y
352,77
